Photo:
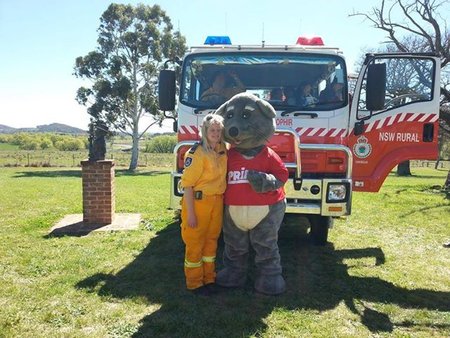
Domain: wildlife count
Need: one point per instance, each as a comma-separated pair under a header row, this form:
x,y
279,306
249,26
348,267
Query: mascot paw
x,y
270,284
263,182
231,278
256,180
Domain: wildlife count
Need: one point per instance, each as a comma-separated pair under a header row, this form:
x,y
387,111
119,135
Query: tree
x,y
418,26
132,43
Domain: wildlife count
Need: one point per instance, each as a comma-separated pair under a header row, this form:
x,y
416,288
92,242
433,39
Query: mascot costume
x,y
254,199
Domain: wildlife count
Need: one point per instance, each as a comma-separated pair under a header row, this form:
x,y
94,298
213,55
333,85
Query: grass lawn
x,y
384,273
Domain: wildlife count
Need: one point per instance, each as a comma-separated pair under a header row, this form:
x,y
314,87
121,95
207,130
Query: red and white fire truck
x,y
331,146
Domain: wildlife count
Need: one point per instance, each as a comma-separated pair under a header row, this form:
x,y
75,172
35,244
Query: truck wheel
x,y
319,229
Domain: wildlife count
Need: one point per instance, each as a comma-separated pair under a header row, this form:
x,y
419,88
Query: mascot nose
x,y
233,132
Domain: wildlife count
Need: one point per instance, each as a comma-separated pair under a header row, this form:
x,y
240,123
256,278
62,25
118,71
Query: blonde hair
x,y
208,121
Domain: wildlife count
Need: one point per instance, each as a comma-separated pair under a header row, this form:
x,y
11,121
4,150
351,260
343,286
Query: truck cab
x,y
332,143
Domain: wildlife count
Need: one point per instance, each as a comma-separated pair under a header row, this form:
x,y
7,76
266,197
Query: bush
x,y
37,141
46,143
161,144
70,144
30,145
5,138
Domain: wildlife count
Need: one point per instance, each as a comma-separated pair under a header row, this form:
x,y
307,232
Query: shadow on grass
x,y
317,279
77,173
79,229
125,172
49,173
425,209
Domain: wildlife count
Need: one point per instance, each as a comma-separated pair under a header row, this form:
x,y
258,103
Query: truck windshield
x,y
287,80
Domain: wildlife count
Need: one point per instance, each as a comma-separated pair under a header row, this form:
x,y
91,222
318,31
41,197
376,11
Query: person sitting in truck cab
x,y
276,94
219,91
289,96
304,96
332,93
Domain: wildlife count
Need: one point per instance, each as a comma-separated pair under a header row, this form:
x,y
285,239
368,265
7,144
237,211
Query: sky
x,y
40,40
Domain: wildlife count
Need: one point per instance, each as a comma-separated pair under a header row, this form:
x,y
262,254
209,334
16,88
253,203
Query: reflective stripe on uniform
x,y
209,259
188,264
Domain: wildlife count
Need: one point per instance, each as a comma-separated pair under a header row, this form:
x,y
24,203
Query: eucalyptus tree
x,y
133,42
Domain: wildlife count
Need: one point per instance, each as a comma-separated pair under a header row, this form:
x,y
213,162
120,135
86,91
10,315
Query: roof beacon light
x,y
312,41
218,40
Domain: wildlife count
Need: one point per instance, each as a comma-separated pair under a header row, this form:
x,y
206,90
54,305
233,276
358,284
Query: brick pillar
x,y
98,192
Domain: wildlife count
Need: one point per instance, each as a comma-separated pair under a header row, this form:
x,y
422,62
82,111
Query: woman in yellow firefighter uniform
x,y
204,183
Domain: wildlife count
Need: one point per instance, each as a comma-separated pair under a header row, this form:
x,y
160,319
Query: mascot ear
x,y
266,108
221,110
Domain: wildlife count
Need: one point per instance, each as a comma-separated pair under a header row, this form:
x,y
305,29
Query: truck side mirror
x,y
376,86
166,90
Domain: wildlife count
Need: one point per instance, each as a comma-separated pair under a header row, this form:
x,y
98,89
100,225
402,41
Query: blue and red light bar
x,y
310,41
218,40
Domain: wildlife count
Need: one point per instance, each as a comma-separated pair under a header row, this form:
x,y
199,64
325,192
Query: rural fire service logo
x,y
362,148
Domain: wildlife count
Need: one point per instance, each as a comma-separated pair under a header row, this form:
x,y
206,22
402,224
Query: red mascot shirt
x,y
239,190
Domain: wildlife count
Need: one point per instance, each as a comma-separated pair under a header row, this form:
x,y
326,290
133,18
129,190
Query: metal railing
x,y
297,147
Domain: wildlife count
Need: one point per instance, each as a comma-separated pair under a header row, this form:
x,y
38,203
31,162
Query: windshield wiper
x,y
313,115
288,111
201,110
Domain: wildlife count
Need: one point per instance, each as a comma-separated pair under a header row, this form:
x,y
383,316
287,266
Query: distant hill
x,y
6,130
45,128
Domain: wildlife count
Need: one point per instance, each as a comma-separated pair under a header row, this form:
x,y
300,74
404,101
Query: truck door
x,y
405,124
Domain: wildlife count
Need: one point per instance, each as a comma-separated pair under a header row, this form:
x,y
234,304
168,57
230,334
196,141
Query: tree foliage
x,y
132,44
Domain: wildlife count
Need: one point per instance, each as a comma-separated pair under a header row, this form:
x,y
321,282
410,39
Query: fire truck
x,y
332,145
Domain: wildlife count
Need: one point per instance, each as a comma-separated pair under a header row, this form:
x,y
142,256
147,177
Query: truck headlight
x,y
337,192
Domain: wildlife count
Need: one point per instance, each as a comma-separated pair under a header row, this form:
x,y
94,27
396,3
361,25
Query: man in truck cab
x,y
332,93
220,91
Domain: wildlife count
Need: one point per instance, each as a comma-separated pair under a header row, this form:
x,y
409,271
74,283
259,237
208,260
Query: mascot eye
x,y
229,115
245,115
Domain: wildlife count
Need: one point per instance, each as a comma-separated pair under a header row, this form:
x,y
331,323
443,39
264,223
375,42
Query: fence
x,y
22,158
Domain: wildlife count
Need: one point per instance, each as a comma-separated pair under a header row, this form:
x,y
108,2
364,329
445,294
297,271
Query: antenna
x,y
226,24
262,39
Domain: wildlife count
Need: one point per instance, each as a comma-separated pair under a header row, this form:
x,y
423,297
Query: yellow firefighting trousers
x,y
201,242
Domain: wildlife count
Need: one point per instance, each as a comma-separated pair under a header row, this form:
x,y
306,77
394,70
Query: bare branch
x,y
121,129
151,124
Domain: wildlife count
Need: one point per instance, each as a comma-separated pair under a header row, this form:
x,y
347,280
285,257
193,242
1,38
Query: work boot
x,y
201,291
270,284
212,288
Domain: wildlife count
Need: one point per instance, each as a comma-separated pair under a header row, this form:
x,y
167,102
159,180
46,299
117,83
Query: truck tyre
x,y
319,229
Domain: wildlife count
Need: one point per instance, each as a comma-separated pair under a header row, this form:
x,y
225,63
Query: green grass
x,y
385,272
8,146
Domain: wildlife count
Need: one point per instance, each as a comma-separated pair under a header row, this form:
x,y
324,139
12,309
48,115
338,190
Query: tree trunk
x,y
436,165
135,118
447,182
134,150
403,169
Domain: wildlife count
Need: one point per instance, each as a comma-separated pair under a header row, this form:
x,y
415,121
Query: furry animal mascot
x,y
254,199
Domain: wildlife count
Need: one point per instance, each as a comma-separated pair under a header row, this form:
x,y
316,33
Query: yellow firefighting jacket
x,y
205,171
